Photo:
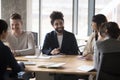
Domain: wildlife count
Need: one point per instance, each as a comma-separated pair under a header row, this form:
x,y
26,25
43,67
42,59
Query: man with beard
x,y
59,41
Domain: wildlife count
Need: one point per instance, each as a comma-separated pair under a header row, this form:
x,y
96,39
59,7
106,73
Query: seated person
x,y
6,56
90,49
109,33
59,41
107,41
21,42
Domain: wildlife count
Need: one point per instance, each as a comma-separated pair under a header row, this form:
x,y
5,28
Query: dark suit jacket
x,y
7,59
69,44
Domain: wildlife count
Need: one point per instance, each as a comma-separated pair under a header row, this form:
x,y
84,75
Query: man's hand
x,y
15,53
55,51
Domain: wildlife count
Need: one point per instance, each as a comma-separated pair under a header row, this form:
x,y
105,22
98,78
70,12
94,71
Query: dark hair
x,y
3,26
112,29
99,19
15,16
56,15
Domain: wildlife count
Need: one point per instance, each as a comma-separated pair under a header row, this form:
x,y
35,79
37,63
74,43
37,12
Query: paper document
x,y
58,55
51,65
30,56
42,57
28,62
85,68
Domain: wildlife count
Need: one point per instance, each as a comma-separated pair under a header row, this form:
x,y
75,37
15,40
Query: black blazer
x,y
69,44
7,59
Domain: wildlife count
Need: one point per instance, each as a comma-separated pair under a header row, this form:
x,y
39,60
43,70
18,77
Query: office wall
x,y
11,6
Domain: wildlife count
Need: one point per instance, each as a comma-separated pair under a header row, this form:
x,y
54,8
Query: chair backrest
x,y
35,34
109,68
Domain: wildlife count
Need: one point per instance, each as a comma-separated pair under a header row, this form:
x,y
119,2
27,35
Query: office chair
x,y
35,34
109,68
81,47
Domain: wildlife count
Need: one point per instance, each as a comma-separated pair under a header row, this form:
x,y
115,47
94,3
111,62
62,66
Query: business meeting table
x,y
66,64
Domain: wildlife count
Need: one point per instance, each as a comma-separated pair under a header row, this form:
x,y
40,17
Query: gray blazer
x,y
109,45
106,46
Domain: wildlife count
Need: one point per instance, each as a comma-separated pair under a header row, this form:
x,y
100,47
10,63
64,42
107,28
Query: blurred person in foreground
x,y
6,56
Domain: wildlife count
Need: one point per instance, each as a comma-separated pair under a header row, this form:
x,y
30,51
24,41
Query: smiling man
x,y
21,42
59,41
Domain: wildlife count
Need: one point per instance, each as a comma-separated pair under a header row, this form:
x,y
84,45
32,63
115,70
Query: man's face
x,y
58,25
16,25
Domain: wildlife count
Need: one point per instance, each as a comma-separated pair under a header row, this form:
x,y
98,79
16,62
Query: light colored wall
x,y
11,6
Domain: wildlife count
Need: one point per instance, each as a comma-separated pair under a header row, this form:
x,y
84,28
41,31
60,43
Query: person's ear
x,y
22,22
3,32
106,31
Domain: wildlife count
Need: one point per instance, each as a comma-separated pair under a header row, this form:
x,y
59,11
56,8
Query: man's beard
x,y
60,30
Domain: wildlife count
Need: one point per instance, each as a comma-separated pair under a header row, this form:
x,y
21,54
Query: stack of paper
x,y
42,57
85,68
30,56
51,65
28,62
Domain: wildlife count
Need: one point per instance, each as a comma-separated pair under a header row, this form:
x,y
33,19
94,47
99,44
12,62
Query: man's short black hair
x,y
56,15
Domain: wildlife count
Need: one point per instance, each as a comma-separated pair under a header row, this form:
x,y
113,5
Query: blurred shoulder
x,y
27,32
51,33
68,33
119,38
